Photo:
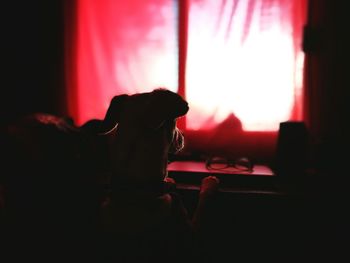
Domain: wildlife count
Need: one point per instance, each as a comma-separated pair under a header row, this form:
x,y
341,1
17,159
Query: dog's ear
x,y
113,114
165,105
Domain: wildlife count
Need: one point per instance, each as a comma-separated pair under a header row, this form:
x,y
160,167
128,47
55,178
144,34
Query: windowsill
x,y
199,167
261,181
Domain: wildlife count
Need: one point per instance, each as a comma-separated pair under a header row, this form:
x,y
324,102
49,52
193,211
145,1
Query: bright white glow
x,y
253,78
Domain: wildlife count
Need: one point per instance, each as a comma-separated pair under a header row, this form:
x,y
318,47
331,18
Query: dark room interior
x,y
297,214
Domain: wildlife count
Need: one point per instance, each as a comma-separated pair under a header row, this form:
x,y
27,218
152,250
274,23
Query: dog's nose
x,y
185,107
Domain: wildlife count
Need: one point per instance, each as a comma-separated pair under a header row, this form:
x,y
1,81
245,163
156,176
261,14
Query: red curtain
x,y
238,63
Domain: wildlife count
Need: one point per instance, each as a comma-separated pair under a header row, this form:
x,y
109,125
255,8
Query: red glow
x,y
243,63
123,47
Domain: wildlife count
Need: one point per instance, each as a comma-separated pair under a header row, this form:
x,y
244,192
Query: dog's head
x,y
143,131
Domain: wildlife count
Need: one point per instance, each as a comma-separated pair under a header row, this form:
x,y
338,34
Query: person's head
x,y
44,163
144,132
41,141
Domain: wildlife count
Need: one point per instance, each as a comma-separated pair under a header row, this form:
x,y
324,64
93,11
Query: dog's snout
x,y
185,107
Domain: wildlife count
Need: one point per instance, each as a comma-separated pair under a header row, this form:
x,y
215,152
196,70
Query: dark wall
x,y
327,84
32,57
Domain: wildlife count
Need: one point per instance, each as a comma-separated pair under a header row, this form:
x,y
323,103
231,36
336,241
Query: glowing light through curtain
x,y
243,57
242,60
122,47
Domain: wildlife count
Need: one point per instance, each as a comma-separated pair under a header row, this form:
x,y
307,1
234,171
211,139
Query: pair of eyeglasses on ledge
x,y
222,163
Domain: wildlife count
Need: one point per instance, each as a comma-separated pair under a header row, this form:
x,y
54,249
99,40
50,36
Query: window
x,y
238,63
